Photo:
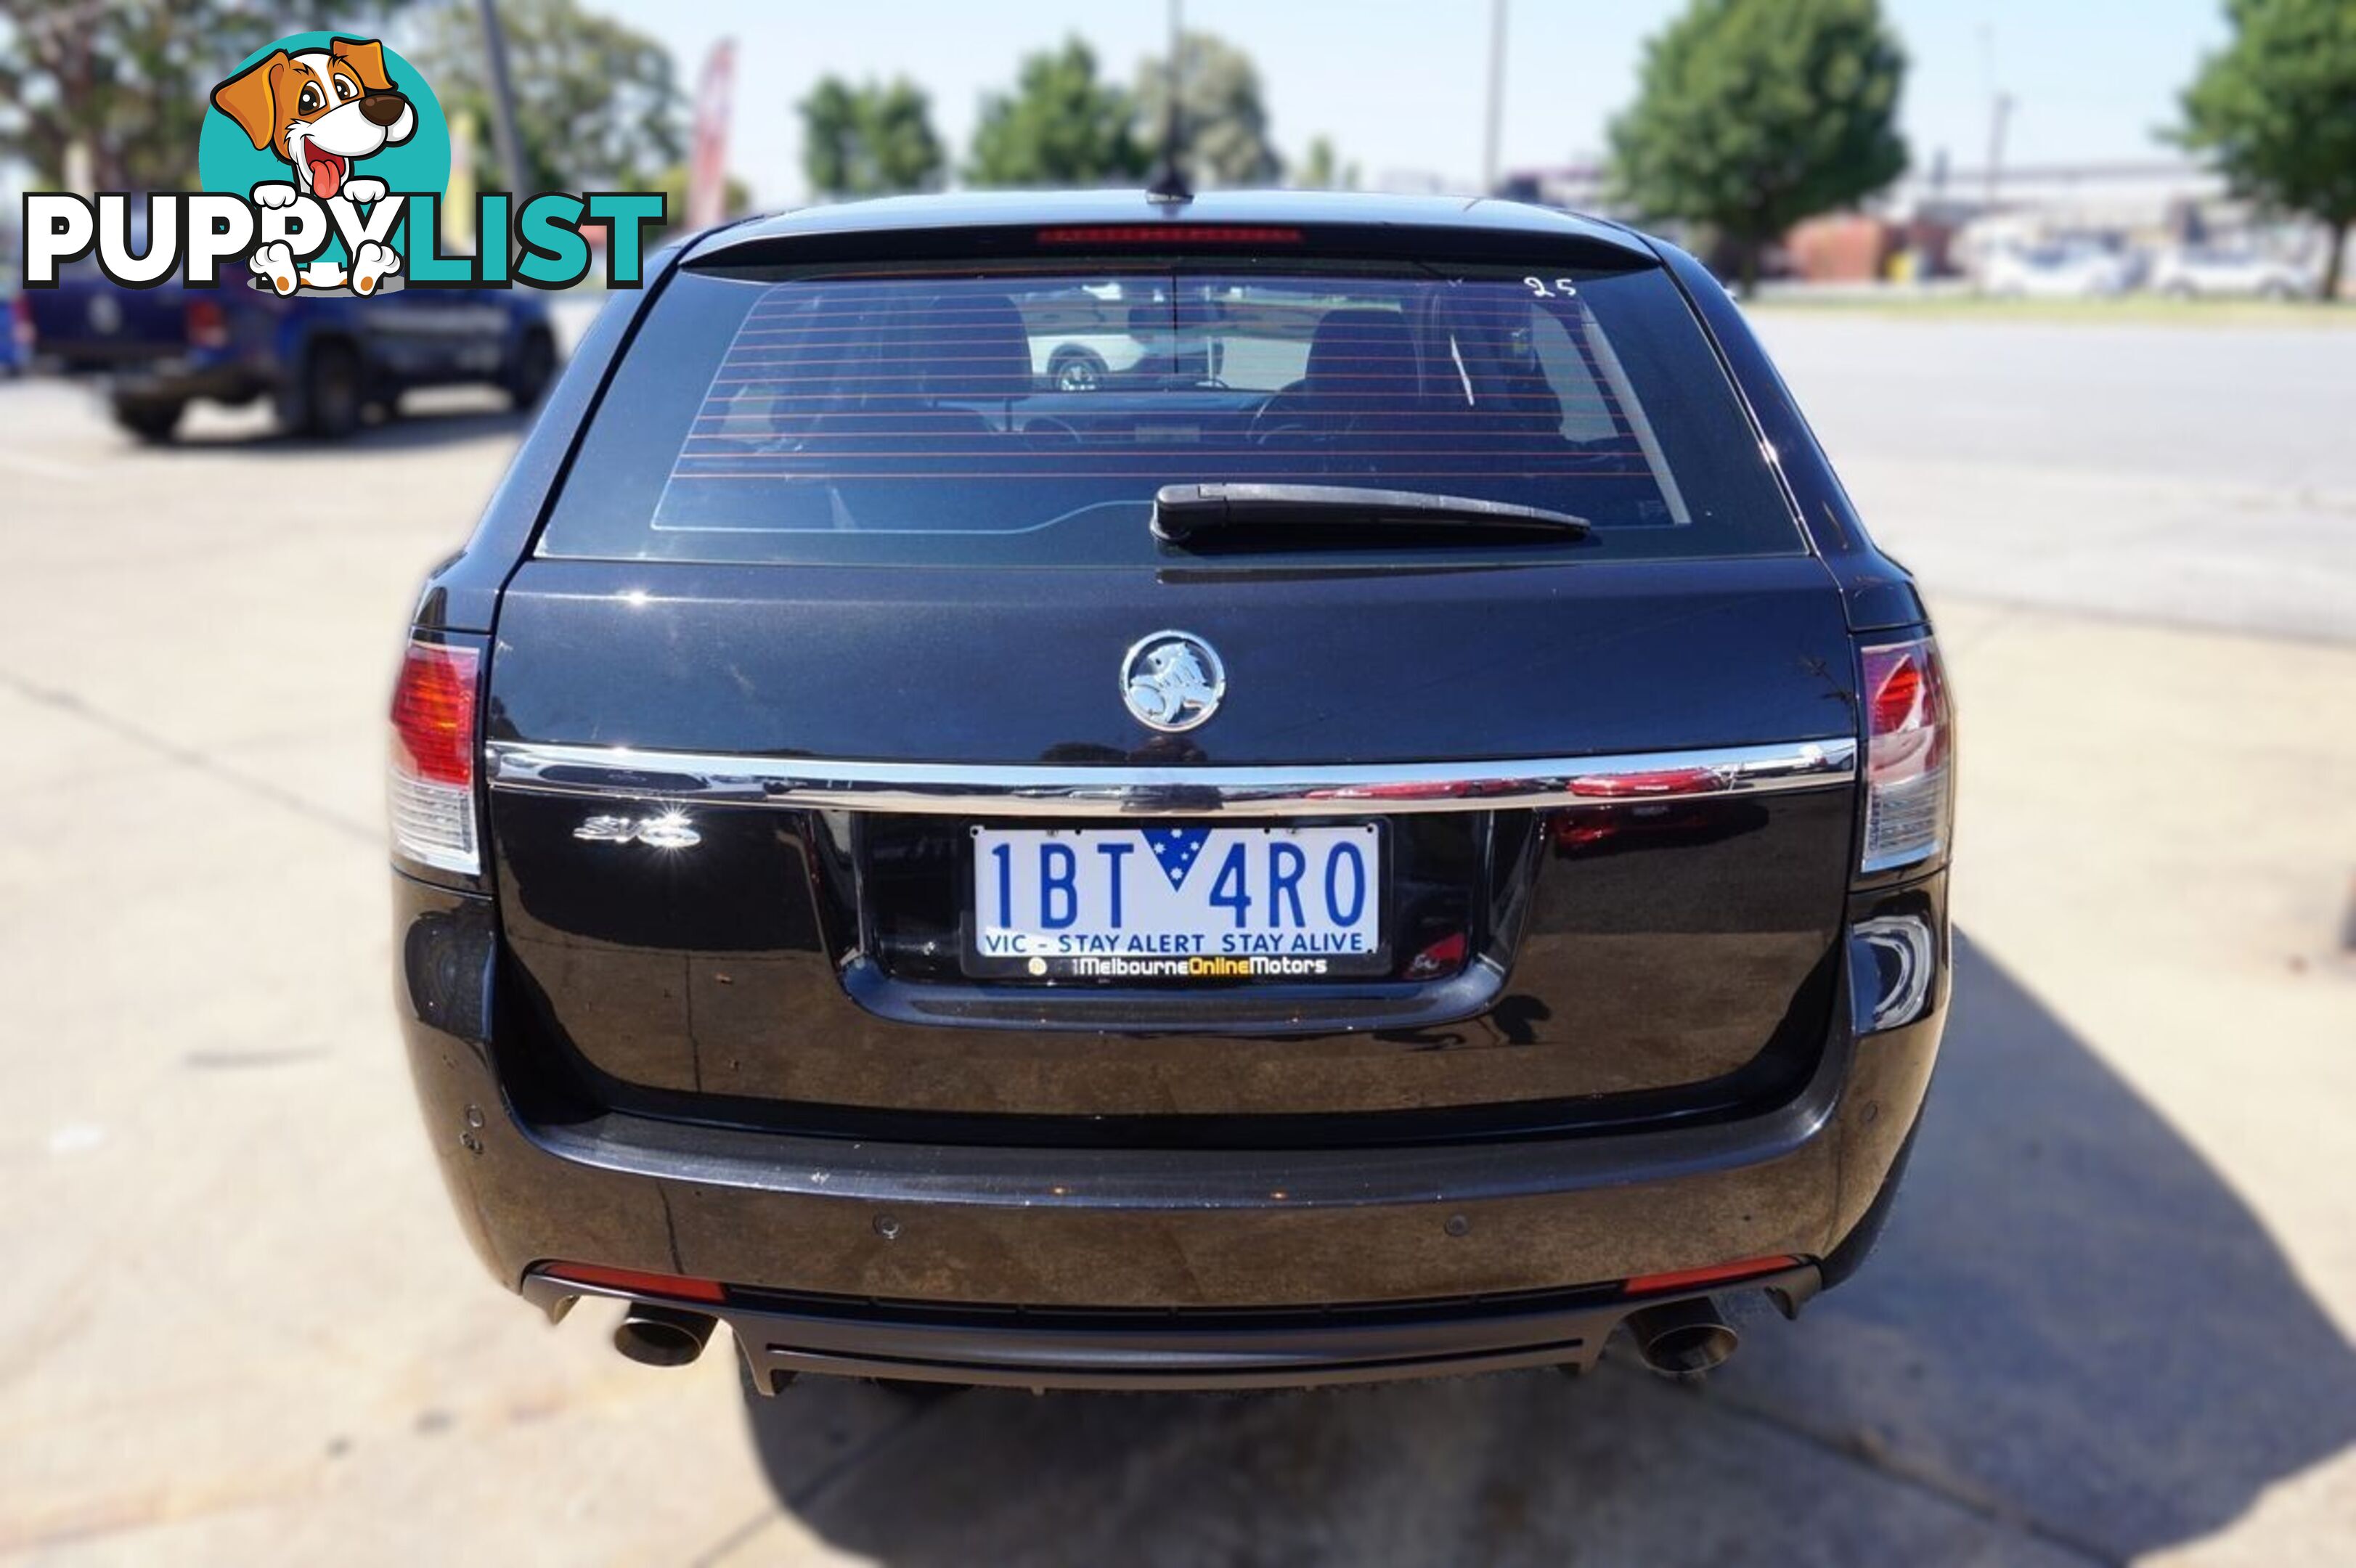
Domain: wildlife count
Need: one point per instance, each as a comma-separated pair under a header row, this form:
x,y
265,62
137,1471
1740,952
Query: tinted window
x,y
1030,416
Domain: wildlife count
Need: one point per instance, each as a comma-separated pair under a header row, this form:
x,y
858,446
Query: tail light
x,y
20,322
1908,748
431,792
208,324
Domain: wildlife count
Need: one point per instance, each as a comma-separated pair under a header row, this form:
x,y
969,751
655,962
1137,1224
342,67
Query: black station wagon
x,y
1398,828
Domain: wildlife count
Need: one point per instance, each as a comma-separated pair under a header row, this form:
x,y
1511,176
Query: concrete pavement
x,y
2112,1322
2198,475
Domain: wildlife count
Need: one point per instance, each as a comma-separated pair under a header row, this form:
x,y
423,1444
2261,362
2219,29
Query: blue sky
x,y
1397,83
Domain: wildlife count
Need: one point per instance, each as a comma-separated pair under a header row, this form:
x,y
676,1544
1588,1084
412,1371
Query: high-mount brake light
x,y
431,783
1909,752
1169,234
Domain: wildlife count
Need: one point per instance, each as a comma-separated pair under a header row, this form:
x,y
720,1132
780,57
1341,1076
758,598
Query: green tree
x,y
1061,126
736,197
868,140
597,104
2278,107
1222,121
128,81
1751,115
1321,168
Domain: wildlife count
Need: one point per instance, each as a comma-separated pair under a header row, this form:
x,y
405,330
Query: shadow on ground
x,y
434,418
2075,1343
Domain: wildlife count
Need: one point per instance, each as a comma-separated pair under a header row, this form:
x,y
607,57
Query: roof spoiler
x,y
1172,231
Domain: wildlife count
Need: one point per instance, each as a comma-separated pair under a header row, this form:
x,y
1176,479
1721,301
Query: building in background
x,y
1938,221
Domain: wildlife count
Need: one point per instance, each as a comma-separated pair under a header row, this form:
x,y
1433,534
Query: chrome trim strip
x,y
987,790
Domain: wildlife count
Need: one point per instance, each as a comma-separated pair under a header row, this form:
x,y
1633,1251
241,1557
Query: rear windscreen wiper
x,y
1180,511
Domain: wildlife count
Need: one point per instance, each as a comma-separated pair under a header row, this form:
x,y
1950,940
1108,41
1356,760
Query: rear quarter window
x,y
1028,415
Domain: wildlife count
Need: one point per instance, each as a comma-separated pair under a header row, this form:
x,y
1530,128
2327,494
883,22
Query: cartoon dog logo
x,y
321,111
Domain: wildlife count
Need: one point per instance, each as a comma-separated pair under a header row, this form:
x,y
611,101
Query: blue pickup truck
x,y
323,360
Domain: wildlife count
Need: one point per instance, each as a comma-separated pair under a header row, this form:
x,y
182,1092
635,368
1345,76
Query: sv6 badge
x,y
671,830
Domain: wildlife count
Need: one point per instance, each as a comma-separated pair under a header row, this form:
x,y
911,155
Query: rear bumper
x,y
1185,1350
1137,1267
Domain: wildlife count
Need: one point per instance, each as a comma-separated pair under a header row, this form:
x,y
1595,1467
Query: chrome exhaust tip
x,y
662,1336
1680,1339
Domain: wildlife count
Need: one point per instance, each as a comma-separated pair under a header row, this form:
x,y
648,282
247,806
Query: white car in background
x,y
1151,348
2191,272
2066,269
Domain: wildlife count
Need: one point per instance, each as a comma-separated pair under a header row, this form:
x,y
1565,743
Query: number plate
x,y
1153,903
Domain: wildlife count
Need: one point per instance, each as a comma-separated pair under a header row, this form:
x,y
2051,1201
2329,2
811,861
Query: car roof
x,y
1017,208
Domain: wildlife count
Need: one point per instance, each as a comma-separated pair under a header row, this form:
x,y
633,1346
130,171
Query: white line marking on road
x,y
47,468
76,1138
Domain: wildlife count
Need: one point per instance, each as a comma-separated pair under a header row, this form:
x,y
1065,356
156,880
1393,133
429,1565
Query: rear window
x,y
1028,417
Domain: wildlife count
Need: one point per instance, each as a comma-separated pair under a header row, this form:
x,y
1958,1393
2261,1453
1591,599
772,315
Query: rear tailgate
x,y
782,655
1643,944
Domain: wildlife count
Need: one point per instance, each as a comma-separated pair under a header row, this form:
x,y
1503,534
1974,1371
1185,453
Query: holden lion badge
x,y
1172,680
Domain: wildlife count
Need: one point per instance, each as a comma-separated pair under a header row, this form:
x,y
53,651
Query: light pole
x,y
1999,111
1169,186
1496,97
503,124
